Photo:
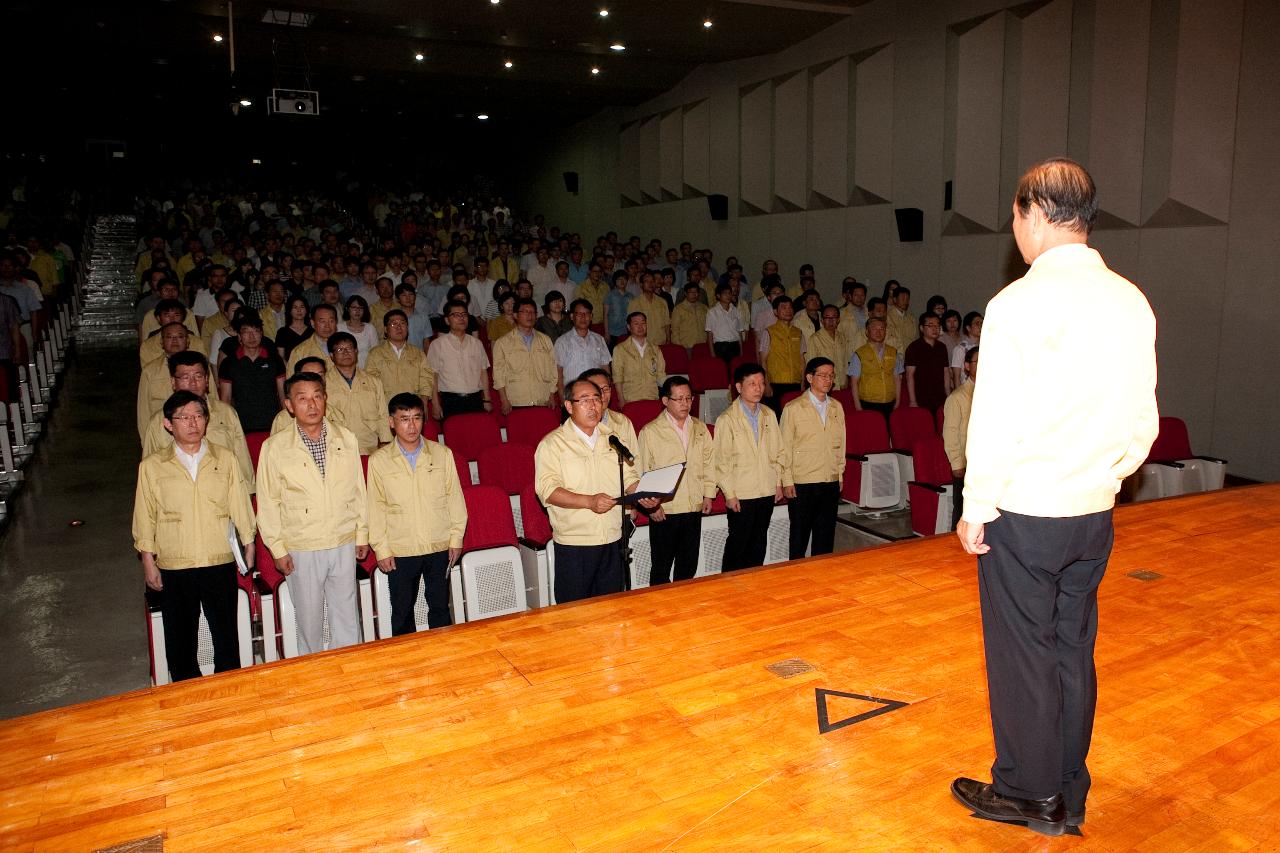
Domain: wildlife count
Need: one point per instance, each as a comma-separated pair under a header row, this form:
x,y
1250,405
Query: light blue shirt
x,y
412,455
820,405
753,418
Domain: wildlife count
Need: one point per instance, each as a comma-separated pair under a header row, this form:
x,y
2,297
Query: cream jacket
x,y
299,510
638,376
564,461
360,407
223,430
747,468
184,521
406,373
526,377
418,510
812,452
660,446
1057,423
955,424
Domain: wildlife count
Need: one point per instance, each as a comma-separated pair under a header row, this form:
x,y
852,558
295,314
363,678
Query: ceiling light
x,y
255,162
508,64
419,57
618,46
245,102
495,2
217,38
595,70
483,116
707,23
604,13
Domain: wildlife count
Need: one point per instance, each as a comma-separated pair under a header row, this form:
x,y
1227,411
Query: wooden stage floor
x,y
648,721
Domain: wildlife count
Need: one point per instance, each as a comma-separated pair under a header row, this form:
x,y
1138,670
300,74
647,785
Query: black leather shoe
x,y
1047,817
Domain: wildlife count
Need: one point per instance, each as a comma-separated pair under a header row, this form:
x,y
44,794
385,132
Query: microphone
x,y
627,455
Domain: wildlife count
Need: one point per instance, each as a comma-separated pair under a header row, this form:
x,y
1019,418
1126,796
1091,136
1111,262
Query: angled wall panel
x,y
671,155
1194,172
755,139
873,131
1118,100
629,163
649,189
1043,93
829,152
791,142
978,90
696,149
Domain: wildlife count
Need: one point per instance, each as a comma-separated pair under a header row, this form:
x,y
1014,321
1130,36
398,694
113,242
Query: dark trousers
x,y
779,388
433,570
748,534
675,540
185,593
727,351
885,409
584,571
457,404
1038,587
813,512
957,500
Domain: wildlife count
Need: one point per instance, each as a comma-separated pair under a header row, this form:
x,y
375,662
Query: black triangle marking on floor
x,y
825,725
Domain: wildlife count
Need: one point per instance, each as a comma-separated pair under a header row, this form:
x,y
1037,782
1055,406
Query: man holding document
x,y
676,437
577,479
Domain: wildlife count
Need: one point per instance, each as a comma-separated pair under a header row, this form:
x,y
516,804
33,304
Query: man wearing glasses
x,y
813,460
576,477
186,492
928,366
675,529
356,394
461,367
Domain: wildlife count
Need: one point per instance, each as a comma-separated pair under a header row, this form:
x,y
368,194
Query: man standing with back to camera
x,y
1045,460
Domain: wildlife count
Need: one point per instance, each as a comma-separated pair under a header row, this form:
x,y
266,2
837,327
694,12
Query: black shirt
x,y
253,384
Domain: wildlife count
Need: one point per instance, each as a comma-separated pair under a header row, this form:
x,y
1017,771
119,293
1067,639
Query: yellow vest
x,y
877,384
784,363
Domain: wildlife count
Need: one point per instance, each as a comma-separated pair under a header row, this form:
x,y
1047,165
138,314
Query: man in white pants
x,y
311,513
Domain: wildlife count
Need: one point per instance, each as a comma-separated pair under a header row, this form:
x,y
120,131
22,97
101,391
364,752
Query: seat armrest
x,y
1168,463
855,457
1211,459
533,544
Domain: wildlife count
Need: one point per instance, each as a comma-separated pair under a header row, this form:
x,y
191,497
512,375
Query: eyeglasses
x,y
343,350
189,418
582,401
680,399
830,377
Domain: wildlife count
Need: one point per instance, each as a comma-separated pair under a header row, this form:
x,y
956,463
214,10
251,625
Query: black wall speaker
x,y
910,224
571,182
718,206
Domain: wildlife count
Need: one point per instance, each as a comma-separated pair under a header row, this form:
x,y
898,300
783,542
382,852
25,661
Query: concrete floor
x,y
72,622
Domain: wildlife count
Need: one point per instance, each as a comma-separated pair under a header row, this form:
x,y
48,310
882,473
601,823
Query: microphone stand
x,y
628,526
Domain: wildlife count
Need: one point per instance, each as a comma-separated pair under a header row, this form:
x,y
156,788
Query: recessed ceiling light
x,y
707,23
419,57
256,161
508,64
495,2
483,116
618,46
217,38
595,70
245,102
604,13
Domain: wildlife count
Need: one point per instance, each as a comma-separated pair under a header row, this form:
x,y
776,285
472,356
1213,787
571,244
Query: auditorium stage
x,y
649,720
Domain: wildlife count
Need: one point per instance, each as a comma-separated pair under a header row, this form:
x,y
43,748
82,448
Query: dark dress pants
x,y
185,592
748,534
813,512
433,570
585,571
1038,587
458,404
675,540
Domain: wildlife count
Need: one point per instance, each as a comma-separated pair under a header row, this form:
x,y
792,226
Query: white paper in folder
x,y
658,483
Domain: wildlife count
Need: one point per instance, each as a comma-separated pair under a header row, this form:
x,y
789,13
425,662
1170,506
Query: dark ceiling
x,y
131,58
